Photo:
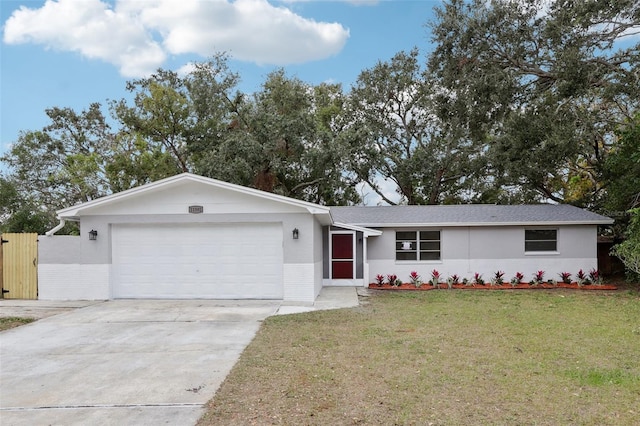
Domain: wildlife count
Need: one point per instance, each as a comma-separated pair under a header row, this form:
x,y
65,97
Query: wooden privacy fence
x,y
19,266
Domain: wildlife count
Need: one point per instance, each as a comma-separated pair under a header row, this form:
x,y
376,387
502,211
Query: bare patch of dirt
x,y
7,323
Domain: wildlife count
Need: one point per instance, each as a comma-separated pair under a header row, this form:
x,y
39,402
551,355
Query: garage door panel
x,y
198,261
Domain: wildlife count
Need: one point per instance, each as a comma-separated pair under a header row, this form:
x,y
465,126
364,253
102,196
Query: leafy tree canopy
x,y
540,87
622,168
64,163
519,101
629,250
392,132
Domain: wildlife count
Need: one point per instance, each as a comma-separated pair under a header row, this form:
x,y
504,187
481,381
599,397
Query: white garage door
x,y
197,261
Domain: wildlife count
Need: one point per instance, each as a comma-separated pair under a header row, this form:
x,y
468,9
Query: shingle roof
x,y
466,215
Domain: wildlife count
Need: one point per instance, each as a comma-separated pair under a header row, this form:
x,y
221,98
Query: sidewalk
x,y
329,298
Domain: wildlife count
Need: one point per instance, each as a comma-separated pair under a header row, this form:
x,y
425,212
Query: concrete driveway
x,y
124,362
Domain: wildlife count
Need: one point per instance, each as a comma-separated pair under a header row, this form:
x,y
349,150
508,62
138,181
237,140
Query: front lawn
x,y
443,357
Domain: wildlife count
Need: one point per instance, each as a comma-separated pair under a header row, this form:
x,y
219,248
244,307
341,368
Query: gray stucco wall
x,y
318,243
508,242
383,246
485,250
325,252
359,255
59,249
318,257
302,250
574,241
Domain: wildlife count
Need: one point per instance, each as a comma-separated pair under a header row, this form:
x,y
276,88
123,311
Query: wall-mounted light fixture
x,y
296,233
93,235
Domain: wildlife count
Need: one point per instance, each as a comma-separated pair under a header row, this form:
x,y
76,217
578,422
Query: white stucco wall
x,y
62,275
299,285
465,251
73,282
318,254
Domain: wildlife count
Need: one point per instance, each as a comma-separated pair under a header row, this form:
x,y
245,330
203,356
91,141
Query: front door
x,y
342,256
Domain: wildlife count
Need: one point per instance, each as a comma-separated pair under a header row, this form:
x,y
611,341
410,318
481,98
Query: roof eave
x,y
478,224
368,232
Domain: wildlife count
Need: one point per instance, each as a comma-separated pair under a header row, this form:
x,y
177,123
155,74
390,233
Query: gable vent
x,y
196,209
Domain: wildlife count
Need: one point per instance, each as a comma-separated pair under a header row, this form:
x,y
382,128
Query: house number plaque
x,y
196,209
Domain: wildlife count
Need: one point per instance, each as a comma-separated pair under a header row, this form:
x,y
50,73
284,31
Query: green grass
x,y
10,322
444,357
595,377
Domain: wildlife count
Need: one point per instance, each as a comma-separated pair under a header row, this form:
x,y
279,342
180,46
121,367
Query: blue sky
x,y
70,53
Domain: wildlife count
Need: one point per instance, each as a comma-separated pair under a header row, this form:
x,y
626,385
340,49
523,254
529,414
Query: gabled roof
x,y
467,215
74,212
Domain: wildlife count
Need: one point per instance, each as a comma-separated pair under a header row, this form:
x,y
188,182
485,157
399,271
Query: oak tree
x,y
540,88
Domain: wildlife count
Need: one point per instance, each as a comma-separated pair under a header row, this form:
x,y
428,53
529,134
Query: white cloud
x,y
388,188
355,2
186,69
89,27
250,30
137,36
363,2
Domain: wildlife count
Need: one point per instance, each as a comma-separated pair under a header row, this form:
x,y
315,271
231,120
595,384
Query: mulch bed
x,y
505,286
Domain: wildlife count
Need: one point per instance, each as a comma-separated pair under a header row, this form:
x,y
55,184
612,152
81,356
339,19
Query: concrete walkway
x,y
128,362
329,298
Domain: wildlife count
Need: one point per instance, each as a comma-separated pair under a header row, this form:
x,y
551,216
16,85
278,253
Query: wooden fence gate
x,y
19,266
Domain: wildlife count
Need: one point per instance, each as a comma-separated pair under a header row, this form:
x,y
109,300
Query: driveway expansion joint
x,y
71,407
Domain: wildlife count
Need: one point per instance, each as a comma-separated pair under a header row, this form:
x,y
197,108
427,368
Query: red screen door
x,y
341,256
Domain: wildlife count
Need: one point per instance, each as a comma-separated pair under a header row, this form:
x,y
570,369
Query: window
x,y
418,245
540,239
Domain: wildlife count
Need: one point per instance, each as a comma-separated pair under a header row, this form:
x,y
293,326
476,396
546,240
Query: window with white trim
x,y
540,240
418,245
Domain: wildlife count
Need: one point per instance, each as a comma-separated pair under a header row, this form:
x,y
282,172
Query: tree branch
x,y
305,185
